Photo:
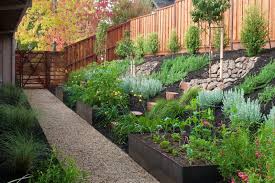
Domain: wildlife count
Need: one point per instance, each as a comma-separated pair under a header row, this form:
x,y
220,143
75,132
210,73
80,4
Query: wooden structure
x,y
41,69
163,21
45,69
11,13
82,53
177,17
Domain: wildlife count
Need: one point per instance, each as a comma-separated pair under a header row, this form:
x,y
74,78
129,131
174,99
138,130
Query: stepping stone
x,y
137,113
184,85
150,105
171,95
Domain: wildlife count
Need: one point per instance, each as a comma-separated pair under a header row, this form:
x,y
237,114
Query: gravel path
x,y
73,136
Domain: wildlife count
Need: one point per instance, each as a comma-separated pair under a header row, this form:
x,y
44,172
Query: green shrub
x,y
235,153
271,117
259,81
152,43
125,47
164,144
217,39
246,113
12,95
141,86
16,118
166,109
130,124
240,111
199,149
189,95
254,31
174,70
267,95
139,47
174,44
208,99
65,172
231,99
104,88
21,152
192,39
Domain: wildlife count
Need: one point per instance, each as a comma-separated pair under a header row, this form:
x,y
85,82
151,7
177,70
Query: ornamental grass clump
x,y
21,152
16,118
208,99
145,87
166,109
174,70
65,171
11,95
267,95
259,81
189,95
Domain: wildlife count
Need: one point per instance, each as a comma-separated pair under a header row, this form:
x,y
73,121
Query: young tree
x,y
125,49
210,11
101,36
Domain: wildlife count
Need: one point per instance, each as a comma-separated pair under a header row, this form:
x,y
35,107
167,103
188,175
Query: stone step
x,y
150,105
184,85
137,113
171,95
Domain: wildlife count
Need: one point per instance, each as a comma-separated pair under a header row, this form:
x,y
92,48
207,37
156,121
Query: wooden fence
x,y
163,22
177,17
40,69
82,53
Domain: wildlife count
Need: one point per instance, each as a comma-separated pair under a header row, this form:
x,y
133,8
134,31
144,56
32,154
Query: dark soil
x,y
181,159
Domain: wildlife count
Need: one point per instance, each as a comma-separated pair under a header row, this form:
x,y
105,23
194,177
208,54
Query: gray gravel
x,y
74,137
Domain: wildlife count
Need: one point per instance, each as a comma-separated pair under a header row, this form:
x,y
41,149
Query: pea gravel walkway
x,y
74,137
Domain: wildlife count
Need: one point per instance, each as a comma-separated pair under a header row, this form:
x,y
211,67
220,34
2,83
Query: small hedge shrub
x,y
125,47
254,32
152,43
174,44
208,99
192,39
139,47
166,109
145,87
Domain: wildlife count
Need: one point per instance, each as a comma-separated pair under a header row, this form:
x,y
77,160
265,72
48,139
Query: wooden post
x,y
221,49
232,25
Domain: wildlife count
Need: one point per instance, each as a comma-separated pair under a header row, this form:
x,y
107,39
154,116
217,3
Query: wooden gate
x,y
40,69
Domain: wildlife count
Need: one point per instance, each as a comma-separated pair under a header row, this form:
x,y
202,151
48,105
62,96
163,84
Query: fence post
x,y
232,25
